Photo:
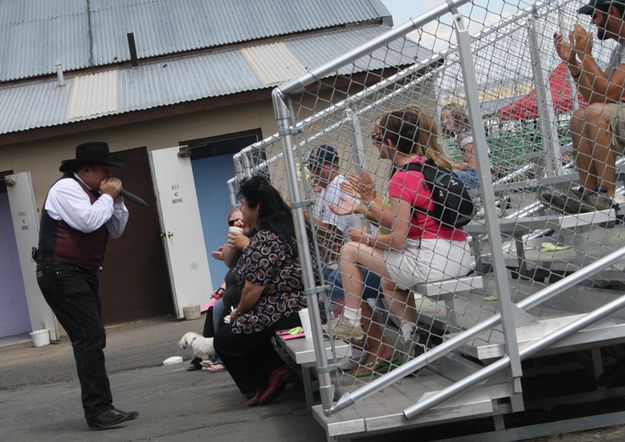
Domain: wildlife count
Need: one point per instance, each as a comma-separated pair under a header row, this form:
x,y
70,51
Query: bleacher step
x,y
383,411
491,345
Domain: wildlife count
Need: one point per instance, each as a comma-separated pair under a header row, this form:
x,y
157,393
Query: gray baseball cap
x,y
593,4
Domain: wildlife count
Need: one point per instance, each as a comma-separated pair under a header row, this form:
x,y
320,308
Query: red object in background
x,y
526,108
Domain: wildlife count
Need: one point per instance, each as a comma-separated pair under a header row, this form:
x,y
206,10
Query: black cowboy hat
x,y
94,152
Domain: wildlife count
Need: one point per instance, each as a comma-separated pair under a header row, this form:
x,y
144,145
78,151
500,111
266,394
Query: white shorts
x,y
428,260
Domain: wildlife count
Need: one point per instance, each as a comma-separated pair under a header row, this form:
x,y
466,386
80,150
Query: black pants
x,y
72,294
250,358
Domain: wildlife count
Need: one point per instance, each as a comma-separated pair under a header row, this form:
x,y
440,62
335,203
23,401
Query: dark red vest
x,y
60,242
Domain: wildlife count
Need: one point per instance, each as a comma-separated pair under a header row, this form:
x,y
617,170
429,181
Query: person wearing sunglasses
x,y
416,249
229,293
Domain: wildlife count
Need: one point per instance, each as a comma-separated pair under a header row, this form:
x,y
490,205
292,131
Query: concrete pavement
x,y
40,397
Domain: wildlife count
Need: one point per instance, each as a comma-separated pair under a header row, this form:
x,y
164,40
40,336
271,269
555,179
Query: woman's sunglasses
x,y
232,222
377,138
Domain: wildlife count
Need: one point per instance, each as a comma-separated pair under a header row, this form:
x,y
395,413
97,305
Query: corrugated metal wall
x,y
124,89
38,32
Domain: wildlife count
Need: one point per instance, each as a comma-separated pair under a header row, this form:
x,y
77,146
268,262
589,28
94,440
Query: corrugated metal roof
x,y
38,32
115,91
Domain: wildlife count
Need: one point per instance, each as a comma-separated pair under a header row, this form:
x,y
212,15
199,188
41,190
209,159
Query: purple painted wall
x,y
14,317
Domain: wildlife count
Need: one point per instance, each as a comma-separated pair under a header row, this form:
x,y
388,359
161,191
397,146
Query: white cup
x,y
305,319
356,221
235,229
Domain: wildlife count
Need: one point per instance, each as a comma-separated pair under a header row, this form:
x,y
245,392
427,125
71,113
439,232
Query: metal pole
x,y
231,191
547,116
430,356
283,118
247,164
300,83
357,144
488,197
502,363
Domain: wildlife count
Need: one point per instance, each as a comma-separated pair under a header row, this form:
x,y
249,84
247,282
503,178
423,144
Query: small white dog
x,y
202,347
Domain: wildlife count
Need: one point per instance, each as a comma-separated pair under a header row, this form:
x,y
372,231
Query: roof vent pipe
x,y
133,49
59,73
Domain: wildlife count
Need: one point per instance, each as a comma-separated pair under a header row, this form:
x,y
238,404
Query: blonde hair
x,y
414,132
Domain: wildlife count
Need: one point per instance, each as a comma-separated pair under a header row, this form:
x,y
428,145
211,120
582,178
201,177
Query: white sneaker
x,y
350,363
342,328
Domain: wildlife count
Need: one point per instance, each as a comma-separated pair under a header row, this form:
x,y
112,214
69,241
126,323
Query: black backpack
x,y
453,204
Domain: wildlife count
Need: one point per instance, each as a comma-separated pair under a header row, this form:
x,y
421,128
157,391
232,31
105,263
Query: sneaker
x,y
578,191
600,201
342,328
406,347
569,203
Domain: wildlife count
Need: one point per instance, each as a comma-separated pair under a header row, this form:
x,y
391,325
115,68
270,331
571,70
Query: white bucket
x,y
40,337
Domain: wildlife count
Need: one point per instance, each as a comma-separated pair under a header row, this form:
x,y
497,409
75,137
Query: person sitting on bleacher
x,y
331,228
417,249
456,123
598,131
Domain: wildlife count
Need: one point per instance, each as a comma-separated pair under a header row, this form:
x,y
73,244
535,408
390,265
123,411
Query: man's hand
x,y
113,187
564,48
582,41
360,186
347,207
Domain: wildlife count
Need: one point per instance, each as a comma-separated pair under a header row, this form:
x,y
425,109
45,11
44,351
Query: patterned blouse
x,y
268,262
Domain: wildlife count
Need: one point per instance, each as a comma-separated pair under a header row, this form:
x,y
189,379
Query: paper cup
x,y
40,337
305,319
356,221
235,229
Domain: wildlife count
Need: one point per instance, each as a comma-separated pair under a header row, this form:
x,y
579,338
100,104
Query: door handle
x,y
168,234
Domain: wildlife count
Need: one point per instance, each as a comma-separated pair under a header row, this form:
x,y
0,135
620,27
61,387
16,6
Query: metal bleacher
x,y
536,334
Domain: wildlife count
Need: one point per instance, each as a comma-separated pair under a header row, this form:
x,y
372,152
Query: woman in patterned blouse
x,y
272,295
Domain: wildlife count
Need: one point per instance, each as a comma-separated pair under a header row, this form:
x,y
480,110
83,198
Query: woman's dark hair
x,y
273,213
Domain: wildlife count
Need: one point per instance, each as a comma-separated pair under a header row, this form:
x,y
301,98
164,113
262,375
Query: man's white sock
x,y
407,329
353,315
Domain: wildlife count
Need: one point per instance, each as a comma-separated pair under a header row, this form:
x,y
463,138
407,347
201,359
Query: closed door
x,y
134,281
14,317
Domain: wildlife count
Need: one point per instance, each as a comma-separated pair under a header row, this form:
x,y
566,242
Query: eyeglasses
x,y
232,222
377,138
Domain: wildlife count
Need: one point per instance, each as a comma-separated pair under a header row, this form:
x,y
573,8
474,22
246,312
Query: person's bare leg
x,y
400,303
583,146
603,153
354,256
375,346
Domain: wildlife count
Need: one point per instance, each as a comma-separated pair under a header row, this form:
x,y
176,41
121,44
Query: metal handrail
x,y
524,353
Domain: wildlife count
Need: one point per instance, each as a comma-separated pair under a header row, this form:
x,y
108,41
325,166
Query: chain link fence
x,y
377,144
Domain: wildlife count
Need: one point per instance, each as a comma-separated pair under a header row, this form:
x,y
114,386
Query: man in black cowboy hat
x,y
81,211
598,131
